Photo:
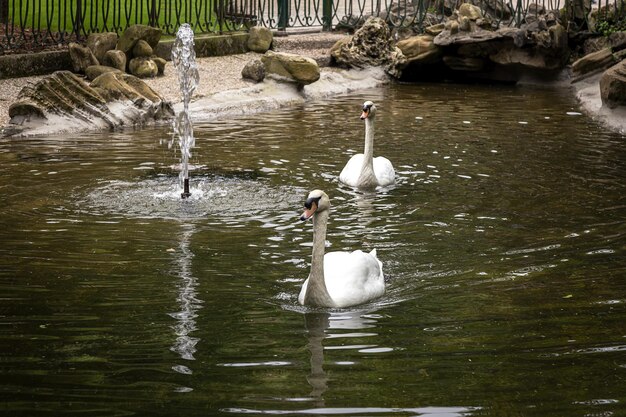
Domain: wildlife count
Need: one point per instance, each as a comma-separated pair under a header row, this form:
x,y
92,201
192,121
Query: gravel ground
x,y
216,73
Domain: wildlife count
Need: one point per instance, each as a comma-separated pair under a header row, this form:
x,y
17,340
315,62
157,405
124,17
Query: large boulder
x,y
371,46
63,102
101,43
81,57
260,39
613,86
294,68
134,33
541,44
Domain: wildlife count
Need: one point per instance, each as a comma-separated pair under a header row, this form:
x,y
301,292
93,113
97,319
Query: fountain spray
x,y
184,60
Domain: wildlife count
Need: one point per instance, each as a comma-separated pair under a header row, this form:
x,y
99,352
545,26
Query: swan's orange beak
x,y
309,209
365,114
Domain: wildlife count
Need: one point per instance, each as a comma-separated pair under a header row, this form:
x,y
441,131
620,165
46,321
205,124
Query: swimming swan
x,y
337,279
363,170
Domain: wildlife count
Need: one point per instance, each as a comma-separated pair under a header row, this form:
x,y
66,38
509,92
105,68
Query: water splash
x,y
184,60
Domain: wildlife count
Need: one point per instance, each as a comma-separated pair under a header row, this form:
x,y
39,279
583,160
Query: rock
x,y
617,40
116,86
160,63
63,102
370,46
142,49
129,38
260,39
81,57
434,30
595,44
143,67
451,35
100,43
95,71
593,62
466,64
420,49
470,11
613,86
290,67
254,70
115,59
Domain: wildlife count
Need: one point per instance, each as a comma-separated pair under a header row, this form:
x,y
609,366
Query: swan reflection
x,y
324,325
185,344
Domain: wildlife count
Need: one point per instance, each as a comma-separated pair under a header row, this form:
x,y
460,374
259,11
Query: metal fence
x,y
36,24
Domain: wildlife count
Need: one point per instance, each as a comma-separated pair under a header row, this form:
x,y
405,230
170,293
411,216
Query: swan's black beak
x,y
310,206
366,113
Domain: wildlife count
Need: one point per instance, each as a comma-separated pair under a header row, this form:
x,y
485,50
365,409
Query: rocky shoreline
x,y
223,73
217,74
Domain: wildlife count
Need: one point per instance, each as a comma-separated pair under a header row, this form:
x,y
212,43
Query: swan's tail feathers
x,y
380,264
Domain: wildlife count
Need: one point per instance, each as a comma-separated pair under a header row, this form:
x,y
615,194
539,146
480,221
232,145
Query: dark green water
x,y
503,246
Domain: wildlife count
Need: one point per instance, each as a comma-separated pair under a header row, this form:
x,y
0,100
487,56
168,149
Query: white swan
x,y
337,279
363,170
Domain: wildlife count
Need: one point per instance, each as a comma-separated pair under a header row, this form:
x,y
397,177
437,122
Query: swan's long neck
x,y
317,294
367,178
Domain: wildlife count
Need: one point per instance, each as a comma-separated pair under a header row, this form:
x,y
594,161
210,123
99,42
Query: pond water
x,y
503,245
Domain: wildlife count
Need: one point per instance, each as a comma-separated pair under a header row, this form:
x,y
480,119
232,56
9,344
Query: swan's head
x,y
317,201
369,110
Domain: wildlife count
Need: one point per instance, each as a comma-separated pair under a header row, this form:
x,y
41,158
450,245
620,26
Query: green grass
x,y
112,15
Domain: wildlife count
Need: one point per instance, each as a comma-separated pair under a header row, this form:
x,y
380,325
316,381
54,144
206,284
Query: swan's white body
x,y
383,171
338,279
363,170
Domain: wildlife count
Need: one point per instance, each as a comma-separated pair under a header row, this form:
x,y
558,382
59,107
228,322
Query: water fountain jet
x,y
184,60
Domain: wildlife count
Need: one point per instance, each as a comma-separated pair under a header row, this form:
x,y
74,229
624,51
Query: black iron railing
x,y
36,24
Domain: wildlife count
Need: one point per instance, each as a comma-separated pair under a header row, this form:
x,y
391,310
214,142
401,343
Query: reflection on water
x,y
185,344
502,243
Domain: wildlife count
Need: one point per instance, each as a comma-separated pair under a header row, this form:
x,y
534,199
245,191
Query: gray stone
x,y
115,59
290,67
260,39
613,86
371,46
81,57
593,62
100,43
617,40
143,67
254,70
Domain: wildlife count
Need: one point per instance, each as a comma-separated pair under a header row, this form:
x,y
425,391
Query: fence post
x,y
327,18
152,18
78,20
283,14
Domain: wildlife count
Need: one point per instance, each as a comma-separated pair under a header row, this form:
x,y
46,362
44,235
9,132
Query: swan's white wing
x,y
350,173
353,277
383,169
